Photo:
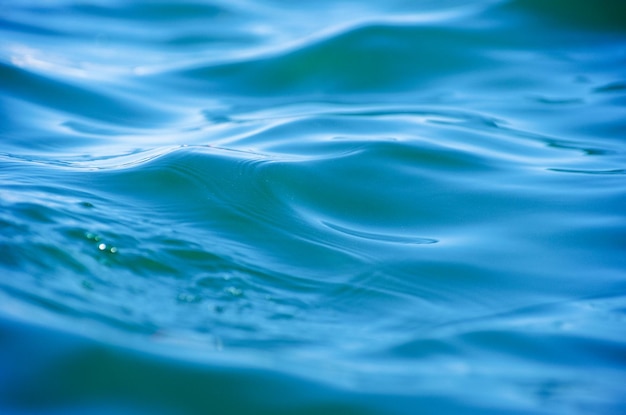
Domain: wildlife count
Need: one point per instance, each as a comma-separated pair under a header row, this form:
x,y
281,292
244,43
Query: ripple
x,y
614,171
399,239
611,87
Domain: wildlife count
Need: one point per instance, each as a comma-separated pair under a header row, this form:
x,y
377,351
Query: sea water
x,y
331,207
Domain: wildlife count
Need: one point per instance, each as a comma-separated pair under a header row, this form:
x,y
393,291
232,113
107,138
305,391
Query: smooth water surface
x,y
334,207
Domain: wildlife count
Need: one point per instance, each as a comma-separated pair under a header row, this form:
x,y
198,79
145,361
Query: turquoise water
x,y
336,207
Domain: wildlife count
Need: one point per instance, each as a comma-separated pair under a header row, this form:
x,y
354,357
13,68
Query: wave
x,y
389,57
79,101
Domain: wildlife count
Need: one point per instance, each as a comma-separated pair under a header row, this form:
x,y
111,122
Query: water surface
x,y
381,207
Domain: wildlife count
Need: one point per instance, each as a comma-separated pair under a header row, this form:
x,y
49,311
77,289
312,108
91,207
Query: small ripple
x,y
557,100
618,86
153,12
396,239
592,172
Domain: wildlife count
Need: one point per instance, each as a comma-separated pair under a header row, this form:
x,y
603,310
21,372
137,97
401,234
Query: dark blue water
x,y
272,207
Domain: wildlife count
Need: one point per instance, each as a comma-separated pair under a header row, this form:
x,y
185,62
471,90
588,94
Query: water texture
x,y
333,207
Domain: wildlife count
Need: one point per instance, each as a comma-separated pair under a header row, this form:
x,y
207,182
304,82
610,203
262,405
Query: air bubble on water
x,y
105,248
92,236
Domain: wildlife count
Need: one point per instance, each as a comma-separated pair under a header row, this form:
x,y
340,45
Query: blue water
x,y
333,207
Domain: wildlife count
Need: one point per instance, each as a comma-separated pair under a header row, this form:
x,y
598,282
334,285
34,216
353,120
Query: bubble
x,y
92,236
102,247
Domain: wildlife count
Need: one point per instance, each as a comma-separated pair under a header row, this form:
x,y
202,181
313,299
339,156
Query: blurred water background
x,y
331,207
